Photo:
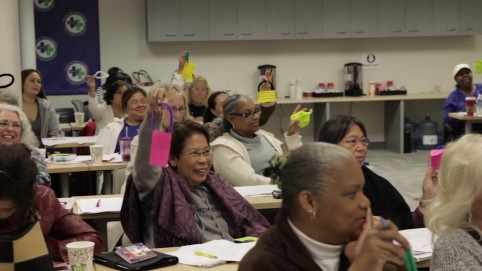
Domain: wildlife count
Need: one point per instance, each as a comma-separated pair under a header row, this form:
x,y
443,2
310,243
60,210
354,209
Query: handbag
x,y
161,141
25,249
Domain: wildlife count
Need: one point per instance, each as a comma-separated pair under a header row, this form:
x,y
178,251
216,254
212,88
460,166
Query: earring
x,y
469,217
234,126
312,214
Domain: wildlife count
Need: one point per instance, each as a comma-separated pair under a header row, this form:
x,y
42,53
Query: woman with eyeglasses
x,y
40,112
241,150
184,203
105,112
350,133
134,104
22,202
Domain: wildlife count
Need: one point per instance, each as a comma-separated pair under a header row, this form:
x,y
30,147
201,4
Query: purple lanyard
x,y
171,117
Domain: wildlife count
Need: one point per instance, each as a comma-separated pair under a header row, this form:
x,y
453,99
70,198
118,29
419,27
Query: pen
x,y
98,203
409,262
200,253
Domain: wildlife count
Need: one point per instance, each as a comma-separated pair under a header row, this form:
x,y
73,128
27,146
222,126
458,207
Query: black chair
x,y
66,115
82,106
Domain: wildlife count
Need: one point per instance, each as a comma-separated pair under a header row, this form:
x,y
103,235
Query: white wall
x,y
417,63
10,45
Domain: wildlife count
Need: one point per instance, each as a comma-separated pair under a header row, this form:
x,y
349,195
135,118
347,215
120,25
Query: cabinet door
x,y
223,19
364,18
279,19
445,20
308,19
418,18
194,19
251,19
162,20
336,18
470,18
391,18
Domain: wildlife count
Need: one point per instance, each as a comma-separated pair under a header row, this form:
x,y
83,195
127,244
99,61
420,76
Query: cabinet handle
x,y
340,32
467,29
450,30
303,33
285,33
189,35
170,35
228,34
246,34
396,31
413,30
359,32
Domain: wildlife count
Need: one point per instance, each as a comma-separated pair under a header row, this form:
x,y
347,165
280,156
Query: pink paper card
x,y
435,158
160,148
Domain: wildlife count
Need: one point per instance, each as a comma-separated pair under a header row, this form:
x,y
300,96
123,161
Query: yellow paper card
x,y
188,71
267,96
478,66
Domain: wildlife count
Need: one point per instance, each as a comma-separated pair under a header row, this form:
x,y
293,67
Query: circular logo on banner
x,y
44,5
46,48
75,24
76,71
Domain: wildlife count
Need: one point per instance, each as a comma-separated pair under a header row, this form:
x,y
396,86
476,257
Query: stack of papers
x,y
256,190
51,141
67,203
212,253
99,205
421,241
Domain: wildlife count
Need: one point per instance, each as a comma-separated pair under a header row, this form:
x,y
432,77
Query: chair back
x,y
66,114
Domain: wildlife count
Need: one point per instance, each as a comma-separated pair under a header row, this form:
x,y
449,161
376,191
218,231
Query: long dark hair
x,y
26,73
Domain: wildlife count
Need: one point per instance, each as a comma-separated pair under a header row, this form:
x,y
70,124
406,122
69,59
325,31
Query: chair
x,y
66,115
82,106
79,105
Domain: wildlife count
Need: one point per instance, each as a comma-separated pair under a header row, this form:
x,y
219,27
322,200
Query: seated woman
x,y
39,110
350,133
323,210
22,202
134,103
241,151
455,215
455,102
14,129
214,106
105,113
184,203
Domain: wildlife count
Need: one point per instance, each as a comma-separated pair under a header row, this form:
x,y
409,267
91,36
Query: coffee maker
x,y
262,70
352,74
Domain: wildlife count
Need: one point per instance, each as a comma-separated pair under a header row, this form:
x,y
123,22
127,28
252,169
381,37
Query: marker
x,y
200,253
409,262
97,204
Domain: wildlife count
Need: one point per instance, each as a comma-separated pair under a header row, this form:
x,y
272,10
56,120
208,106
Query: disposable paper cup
x,y
81,255
79,118
96,152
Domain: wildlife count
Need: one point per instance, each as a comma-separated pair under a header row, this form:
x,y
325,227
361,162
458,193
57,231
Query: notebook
x,y
111,259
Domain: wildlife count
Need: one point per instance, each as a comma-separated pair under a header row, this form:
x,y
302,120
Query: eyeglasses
x,y
180,109
354,142
198,154
247,115
15,125
137,102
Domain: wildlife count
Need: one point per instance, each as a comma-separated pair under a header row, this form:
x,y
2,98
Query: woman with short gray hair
x,y
241,151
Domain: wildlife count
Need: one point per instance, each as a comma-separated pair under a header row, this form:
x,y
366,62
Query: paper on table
x,y
224,251
256,190
421,242
51,141
112,158
89,206
67,203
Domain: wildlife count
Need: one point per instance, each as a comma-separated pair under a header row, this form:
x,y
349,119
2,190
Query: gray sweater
x,y
457,251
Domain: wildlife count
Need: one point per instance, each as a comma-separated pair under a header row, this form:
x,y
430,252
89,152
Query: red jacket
x,y
59,226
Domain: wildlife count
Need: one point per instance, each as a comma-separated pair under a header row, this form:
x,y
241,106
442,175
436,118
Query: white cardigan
x,y
103,114
231,158
109,135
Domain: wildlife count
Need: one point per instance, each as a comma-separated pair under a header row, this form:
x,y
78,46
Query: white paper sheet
x,y
51,141
256,190
223,250
421,242
89,206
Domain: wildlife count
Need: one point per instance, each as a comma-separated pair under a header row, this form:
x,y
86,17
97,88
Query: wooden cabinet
x,y
470,17
308,19
446,14
223,19
194,20
280,19
418,17
391,18
162,20
336,18
252,19
364,18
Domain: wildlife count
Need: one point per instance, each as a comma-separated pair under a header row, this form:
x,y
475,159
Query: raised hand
x,y
293,126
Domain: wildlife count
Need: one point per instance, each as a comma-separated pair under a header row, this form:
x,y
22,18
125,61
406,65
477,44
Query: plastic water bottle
x,y
478,103
330,87
428,133
320,89
299,91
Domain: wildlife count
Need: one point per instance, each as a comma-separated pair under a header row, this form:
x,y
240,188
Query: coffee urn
x,y
353,79
262,70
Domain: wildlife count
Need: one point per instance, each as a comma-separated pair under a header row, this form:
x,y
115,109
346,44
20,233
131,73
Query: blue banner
x,y
67,44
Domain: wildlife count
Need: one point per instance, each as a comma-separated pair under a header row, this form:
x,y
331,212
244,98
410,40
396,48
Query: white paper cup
x,y
79,118
81,254
96,153
43,152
